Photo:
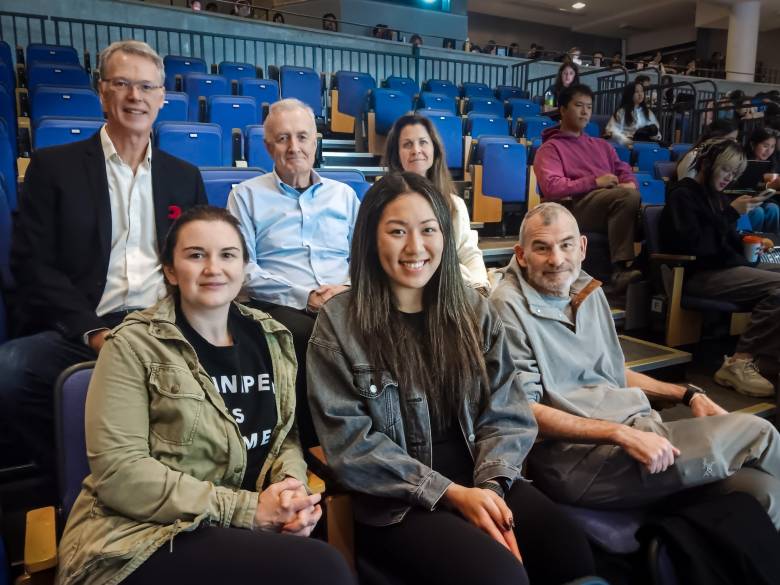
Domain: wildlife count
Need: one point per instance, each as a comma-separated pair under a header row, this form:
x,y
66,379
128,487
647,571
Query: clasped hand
x,y
285,506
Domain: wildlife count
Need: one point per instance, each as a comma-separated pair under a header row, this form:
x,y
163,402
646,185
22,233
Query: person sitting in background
x,y
534,52
570,165
298,227
218,466
414,145
568,75
617,60
601,443
439,470
212,7
329,22
278,18
85,248
598,57
196,5
633,120
721,128
699,220
573,55
762,146
242,8
514,50
416,40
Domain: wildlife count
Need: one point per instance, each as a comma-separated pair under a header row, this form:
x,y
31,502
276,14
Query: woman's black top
x,y
243,375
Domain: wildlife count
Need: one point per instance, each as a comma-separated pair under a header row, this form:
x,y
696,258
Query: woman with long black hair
x,y
633,120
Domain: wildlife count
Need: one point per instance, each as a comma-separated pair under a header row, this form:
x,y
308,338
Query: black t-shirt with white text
x,y
243,375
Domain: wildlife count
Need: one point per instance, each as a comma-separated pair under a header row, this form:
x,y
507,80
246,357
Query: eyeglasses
x,y
119,84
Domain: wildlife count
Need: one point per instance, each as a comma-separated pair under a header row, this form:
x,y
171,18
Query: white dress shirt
x,y
135,278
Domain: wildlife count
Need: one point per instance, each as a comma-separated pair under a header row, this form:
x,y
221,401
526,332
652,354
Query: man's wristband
x,y
691,390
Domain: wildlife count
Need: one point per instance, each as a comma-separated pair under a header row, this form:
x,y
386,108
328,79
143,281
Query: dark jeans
x,y
212,555
29,367
300,323
613,212
442,547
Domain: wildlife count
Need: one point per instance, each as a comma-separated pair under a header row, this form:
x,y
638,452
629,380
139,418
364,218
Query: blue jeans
x,y
29,368
765,218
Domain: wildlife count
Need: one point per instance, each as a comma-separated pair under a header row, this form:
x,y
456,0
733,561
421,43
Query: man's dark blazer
x,y
62,236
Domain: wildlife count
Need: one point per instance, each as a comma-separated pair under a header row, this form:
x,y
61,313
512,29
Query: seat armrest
x,y
40,540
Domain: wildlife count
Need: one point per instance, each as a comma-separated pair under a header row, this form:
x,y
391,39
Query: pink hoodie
x,y
567,165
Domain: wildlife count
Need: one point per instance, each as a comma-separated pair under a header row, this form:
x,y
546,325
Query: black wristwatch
x,y
690,391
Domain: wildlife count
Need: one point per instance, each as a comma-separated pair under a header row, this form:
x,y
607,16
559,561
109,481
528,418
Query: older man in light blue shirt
x,y
298,229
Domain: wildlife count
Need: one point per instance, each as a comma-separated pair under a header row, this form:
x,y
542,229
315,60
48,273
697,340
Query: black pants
x,y
212,555
442,547
300,323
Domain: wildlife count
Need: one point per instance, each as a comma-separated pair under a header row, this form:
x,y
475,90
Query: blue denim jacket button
x,y
471,438
372,389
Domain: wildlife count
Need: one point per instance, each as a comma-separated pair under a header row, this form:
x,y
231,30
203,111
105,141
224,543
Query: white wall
x,y
668,37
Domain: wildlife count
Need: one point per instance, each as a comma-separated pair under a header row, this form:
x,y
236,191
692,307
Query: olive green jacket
x,y
165,454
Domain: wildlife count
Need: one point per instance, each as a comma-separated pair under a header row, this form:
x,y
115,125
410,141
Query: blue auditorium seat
x,y
5,233
197,85
485,124
665,169
8,164
303,83
40,53
506,92
471,89
179,65
485,105
55,131
653,191
61,101
441,86
521,108
235,71
504,169
680,150
623,152
198,144
219,181
265,91
353,178
254,148
450,129
56,74
175,108
353,90
592,129
231,111
388,105
7,75
647,153
532,148
535,125
6,55
405,84
437,101
8,114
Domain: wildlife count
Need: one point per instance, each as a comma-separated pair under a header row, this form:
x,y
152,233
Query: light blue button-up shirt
x,y
297,241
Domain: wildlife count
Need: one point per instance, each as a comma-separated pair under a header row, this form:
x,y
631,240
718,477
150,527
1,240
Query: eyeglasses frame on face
x,y
144,87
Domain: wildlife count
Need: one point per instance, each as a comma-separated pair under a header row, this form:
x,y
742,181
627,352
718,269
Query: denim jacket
x,y
377,436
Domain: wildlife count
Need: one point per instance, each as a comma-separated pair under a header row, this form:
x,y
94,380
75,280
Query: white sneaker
x,y
744,377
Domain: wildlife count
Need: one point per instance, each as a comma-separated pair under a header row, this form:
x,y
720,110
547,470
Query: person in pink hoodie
x,y
586,171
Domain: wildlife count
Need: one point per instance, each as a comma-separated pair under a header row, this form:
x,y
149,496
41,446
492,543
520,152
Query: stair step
x,y
350,159
368,171
338,144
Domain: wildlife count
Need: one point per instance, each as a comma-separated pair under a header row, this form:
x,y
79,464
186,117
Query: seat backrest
x,y
235,71
646,153
441,86
70,396
56,74
388,106
535,125
450,129
602,120
353,90
40,53
52,131
198,144
254,148
7,76
506,92
8,165
522,108
8,115
231,111
651,223
5,234
484,124
6,55
175,108
303,83
504,170
679,150
437,101
220,181
405,84
198,85
471,89
485,105
664,169
180,65
352,178
653,191
265,91
61,101
623,152
483,142
592,129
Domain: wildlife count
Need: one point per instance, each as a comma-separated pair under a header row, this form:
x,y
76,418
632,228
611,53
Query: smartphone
x,y
764,195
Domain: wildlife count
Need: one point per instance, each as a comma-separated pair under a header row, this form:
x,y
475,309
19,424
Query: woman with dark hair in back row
x,y
633,120
417,406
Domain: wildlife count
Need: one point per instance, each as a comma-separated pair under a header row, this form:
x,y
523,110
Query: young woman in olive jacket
x,y
416,403
190,434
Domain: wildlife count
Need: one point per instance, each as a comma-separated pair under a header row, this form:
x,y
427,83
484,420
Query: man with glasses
x,y
85,247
